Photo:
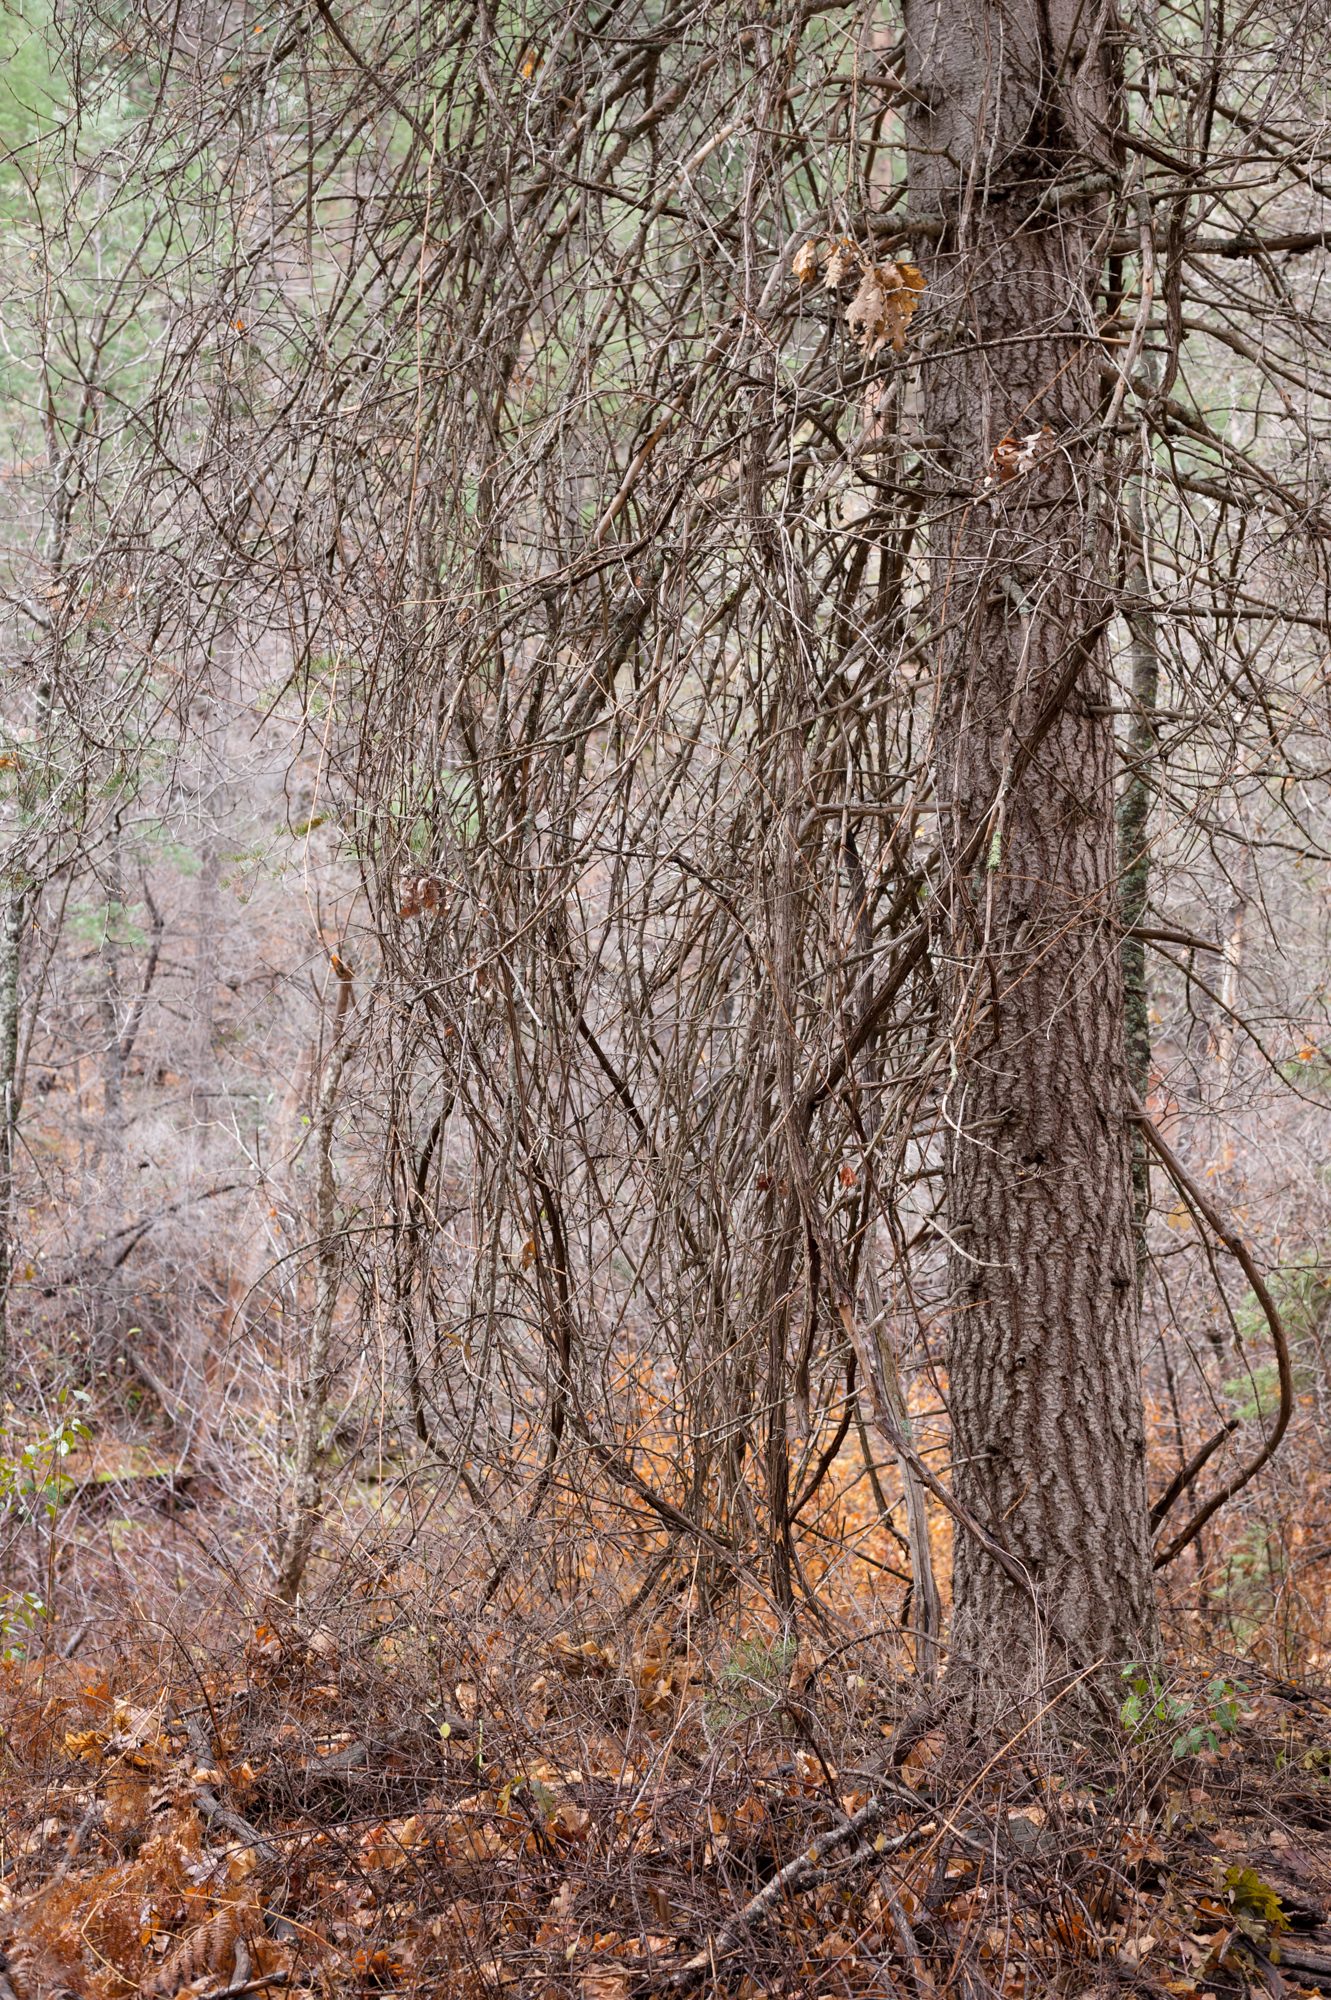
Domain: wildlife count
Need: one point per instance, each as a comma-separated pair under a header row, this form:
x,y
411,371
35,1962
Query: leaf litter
x,y
608,1815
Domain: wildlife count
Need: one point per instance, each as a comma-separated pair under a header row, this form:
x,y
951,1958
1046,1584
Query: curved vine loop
x,y
1239,1250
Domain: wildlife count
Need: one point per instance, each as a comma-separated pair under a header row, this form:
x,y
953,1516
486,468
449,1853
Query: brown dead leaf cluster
x,y
1014,456
418,895
881,309
886,296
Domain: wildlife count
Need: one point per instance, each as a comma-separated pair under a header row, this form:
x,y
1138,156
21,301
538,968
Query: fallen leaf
x,y
570,1822
603,1986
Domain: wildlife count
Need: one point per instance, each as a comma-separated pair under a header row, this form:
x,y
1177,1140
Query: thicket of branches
x,y
488,442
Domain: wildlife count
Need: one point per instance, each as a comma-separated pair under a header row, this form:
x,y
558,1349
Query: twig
x,y
211,1807
254,1985
906,1938
803,1872
1187,1474
136,1231
1237,1249
70,1644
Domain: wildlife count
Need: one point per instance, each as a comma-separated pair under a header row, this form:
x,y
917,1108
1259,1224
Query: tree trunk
x,y
301,1520
1044,1371
1134,849
13,913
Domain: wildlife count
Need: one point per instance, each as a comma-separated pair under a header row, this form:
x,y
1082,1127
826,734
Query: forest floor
x,y
355,1812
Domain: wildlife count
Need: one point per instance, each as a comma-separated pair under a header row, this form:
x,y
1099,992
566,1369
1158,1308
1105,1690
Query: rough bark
x,y
1043,1364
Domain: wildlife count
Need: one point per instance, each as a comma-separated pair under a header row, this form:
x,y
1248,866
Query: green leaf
x,y
1257,1908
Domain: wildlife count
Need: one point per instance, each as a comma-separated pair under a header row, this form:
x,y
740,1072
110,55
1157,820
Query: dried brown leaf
x,y
881,309
418,895
804,264
843,263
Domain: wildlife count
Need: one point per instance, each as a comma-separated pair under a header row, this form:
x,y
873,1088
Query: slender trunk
x,y
110,1007
11,965
785,957
1044,1370
297,1537
887,1391
884,1387
210,720
1225,1020
1134,851
1225,1036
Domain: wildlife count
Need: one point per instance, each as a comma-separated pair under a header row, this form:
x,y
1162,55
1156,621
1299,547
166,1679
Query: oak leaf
x,y
804,264
881,309
86,1743
843,263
